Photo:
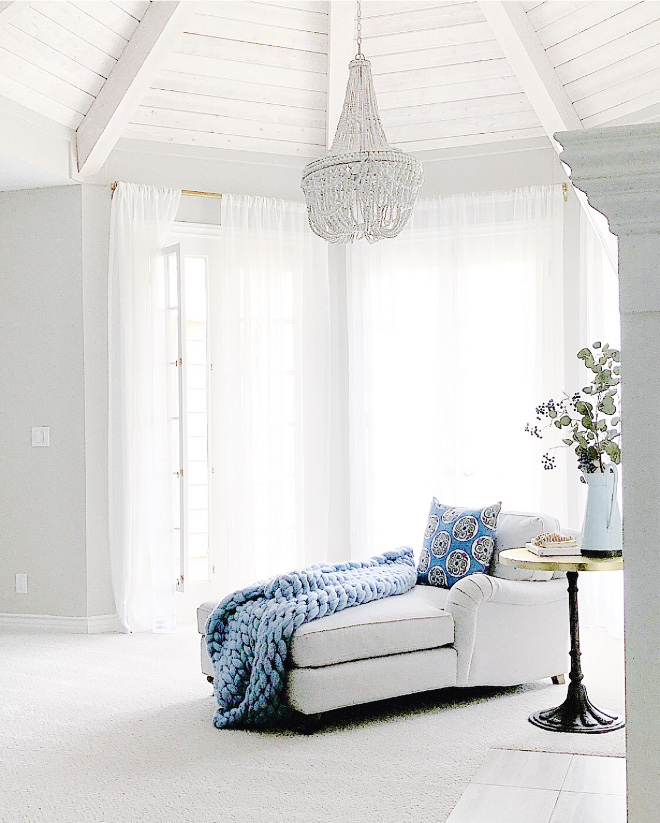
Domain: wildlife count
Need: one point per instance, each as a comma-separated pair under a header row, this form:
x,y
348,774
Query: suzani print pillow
x,y
457,542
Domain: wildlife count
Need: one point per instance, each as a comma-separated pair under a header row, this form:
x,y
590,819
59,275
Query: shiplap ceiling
x,y
262,76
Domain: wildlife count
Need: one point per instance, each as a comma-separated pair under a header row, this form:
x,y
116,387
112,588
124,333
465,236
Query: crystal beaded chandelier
x,y
362,186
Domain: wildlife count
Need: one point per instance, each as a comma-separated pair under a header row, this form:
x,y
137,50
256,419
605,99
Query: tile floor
x,y
543,787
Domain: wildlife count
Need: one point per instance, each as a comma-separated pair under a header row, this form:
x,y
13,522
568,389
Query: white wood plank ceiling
x,y
261,76
244,76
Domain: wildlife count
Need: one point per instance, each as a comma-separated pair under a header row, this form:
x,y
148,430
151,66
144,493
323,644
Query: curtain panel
x,y
455,334
270,325
140,521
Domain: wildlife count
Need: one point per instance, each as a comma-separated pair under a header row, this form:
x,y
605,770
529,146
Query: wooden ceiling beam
x,y
144,55
529,61
341,50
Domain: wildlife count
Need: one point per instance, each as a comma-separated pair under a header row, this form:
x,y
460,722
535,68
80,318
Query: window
x,y
266,433
188,359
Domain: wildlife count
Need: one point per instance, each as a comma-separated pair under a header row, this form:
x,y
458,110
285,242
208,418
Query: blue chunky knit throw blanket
x,y
249,633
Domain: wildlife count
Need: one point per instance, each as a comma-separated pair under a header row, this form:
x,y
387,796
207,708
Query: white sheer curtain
x,y
269,321
601,595
455,335
141,547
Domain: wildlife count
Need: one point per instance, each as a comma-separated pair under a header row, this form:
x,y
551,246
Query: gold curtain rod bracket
x,y
188,192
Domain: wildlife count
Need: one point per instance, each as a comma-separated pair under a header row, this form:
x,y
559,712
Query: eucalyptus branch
x,y
592,428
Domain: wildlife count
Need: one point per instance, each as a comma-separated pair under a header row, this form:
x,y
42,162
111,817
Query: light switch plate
x,y
41,436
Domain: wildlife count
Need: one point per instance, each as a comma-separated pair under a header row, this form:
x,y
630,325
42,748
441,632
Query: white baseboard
x,y
59,624
103,624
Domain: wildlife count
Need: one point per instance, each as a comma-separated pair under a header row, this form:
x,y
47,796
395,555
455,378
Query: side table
x,y
576,713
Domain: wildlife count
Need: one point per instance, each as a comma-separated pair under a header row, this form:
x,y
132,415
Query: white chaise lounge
x,y
499,629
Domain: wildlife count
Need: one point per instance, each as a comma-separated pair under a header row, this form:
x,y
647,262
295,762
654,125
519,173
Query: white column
x,y
619,170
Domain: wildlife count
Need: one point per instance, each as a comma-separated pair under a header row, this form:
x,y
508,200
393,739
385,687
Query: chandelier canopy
x,y
362,186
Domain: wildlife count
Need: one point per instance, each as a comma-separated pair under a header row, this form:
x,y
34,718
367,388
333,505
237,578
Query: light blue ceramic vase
x,y
601,529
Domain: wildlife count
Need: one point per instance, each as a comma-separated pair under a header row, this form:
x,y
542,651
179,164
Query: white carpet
x,y
117,729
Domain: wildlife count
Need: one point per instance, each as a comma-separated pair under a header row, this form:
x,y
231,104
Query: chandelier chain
x,y
359,28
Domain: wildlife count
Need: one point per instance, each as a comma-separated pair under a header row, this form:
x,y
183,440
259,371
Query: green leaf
x,y
552,413
612,450
597,345
606,405
604,380
617,370
615,354
565,420
587,422
602,425
581,439
587,390
568,441
587,356
558,423
615,421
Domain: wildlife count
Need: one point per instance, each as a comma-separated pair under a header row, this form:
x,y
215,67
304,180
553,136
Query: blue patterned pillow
x,y
457,542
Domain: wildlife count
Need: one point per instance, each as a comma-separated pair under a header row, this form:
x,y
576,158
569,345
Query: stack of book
x,y
553,545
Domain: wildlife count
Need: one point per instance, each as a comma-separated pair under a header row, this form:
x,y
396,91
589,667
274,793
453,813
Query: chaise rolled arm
x,y
508,632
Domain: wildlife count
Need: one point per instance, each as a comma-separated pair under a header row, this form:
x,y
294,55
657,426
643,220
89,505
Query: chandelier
x,y
362,186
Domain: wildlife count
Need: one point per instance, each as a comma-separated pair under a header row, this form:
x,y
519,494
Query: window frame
x,y
176,356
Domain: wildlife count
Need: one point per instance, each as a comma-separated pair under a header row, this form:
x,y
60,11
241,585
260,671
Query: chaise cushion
x,y
404,623
394,625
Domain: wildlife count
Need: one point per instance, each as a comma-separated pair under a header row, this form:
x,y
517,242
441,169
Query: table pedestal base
x,y
576,714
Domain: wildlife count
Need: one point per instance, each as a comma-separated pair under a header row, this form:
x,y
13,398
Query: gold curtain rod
x,y
212,194
189,193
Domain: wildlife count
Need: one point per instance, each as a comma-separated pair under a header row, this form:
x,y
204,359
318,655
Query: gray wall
x,y
95,238
53,328
42,504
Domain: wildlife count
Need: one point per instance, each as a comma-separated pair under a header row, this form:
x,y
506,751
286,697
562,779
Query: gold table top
x,y
524,559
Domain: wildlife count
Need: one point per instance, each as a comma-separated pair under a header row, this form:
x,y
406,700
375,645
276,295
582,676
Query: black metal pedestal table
x,y
577,713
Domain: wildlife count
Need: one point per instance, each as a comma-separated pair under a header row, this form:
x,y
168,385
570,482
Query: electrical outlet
x,y
21,584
